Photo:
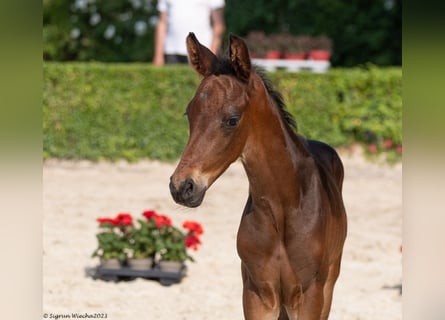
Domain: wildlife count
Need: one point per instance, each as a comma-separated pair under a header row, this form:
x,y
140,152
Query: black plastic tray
x,y
126,274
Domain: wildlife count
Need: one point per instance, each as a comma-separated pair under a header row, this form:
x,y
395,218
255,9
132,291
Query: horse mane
x,y
224,66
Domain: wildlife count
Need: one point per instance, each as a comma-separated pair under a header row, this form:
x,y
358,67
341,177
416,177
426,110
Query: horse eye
x,y
232,122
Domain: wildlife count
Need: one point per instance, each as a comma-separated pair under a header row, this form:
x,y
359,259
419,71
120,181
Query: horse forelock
x,y
223,66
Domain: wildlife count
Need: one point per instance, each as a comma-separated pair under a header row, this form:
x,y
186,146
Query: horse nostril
x,y
184,192
188,188
187,193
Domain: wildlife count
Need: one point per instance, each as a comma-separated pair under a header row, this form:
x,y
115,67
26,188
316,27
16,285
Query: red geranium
x,y
112,237
105,221
193,226
172,241
162,220
149,214
192,241
122,237
159,219
124,219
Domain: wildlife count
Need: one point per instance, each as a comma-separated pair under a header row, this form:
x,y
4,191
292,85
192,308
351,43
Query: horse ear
x,y
200,57
239,56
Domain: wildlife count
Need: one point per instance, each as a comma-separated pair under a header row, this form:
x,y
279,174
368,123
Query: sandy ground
x,y
76,193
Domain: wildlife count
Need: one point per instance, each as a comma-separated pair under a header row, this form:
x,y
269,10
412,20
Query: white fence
x,y
293,65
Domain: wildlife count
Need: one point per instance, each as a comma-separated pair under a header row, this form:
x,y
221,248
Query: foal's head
x,y
218,117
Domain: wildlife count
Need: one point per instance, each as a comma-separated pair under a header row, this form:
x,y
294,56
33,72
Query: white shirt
x,y
184,16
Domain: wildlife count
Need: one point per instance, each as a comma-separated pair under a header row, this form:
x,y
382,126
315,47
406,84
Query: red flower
x,y
124,219
399,149
106,221
192,241
161,220
149,214
193,226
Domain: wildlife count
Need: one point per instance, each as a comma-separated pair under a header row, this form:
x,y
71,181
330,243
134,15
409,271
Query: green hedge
x,y
132,111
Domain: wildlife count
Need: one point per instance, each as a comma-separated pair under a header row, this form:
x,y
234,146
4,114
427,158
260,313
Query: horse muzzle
x,y
187,193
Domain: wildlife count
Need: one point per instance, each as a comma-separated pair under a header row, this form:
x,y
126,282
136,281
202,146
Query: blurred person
x,y
177,18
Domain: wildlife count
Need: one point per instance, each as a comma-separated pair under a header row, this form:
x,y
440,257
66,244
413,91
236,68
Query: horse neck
x,y
273,152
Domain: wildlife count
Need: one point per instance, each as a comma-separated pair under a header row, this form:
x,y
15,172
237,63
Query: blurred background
x,y
364,31
104,99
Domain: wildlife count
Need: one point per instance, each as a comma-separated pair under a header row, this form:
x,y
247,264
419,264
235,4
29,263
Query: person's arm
x,y
160,34
218,29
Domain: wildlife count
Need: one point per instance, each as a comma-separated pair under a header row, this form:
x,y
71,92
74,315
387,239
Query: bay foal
x,y
291,235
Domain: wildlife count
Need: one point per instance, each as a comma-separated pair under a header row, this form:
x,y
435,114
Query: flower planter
x,y
140,264
112,263
170,266
273,54
295,56
153,237
320,55
125,273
